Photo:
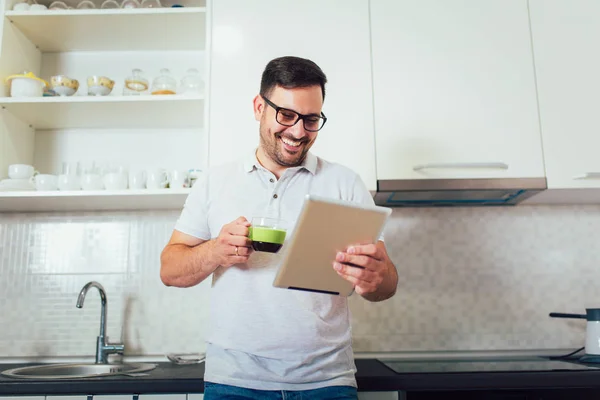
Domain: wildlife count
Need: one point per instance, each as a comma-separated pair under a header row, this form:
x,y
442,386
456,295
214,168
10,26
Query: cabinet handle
x,y
588,175
490,165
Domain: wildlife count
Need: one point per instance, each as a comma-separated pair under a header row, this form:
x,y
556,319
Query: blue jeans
x,y
217,391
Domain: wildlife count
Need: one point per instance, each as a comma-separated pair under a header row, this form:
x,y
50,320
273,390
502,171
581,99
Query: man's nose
x,y
298,129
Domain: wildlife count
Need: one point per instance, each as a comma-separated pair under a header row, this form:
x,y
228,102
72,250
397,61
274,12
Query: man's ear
x,y
259,107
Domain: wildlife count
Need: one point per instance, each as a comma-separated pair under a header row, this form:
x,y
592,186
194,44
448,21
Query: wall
x,y
470,278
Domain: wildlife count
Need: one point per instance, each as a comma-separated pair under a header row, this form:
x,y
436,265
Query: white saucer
x,y
12,185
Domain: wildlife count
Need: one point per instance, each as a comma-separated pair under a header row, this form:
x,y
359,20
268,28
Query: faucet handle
x,y
104,349
114,348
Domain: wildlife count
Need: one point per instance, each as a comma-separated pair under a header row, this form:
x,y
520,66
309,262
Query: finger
x,y
357,260
241,221
360,274
366,249
238,230
242,251
360,287
240,241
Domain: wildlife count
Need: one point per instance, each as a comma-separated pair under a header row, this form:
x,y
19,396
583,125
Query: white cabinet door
x,y
246,35
22,397
454,84
163,397
567,60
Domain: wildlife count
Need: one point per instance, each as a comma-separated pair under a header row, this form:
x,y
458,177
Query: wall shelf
x,y
167,111
113,30
34,201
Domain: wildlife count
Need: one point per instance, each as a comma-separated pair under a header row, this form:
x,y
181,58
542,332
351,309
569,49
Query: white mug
x,y
137,180
157,179
177,179
69,182
20,171
592,338
46,182
115,181
92,182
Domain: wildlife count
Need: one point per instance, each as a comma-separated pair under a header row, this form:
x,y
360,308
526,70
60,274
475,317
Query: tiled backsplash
x,y
470,278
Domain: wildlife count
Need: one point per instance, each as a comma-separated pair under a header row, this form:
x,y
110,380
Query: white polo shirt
x,y
262,337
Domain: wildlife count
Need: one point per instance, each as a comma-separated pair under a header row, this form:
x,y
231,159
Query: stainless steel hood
x,y
456,192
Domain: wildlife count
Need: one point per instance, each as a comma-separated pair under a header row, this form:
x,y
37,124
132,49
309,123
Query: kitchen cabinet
x,y
567,62
113,397
74,397
21,397
454,90
163,397
140,133
334,34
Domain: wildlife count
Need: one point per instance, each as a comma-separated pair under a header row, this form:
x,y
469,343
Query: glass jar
x,y
135,84
192,82
164,83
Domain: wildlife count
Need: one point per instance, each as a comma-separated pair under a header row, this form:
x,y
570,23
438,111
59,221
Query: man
x,y
264,340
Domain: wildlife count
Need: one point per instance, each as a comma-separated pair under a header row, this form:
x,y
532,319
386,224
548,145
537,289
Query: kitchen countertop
x,y
372,375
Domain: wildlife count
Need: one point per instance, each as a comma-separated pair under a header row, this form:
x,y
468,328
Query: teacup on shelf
x,y
99,85
63,85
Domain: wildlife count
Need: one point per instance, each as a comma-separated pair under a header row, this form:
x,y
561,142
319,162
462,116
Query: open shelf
x,y
82,200
160,111
113,29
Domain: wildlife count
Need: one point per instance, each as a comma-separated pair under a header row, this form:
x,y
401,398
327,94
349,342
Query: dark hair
x,y
291,72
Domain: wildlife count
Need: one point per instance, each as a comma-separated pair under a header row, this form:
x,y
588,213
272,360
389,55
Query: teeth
x,y
290,142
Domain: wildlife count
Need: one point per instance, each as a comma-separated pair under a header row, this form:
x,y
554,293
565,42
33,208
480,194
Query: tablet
x,y
325,227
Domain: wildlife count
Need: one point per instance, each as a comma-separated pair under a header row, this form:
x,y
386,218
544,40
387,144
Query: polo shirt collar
x,y
309,163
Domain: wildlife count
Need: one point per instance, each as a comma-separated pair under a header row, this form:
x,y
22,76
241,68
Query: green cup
x,y
267,234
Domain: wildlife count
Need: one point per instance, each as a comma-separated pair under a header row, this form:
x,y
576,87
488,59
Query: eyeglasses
x,y
287,117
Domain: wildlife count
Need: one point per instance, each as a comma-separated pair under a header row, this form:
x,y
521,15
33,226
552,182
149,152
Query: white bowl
x,y
20,171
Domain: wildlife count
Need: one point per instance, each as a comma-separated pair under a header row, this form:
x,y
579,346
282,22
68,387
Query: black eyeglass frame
x,y
300,116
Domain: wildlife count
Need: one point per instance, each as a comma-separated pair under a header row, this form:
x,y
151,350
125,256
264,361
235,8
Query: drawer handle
x,y
490,165
588,175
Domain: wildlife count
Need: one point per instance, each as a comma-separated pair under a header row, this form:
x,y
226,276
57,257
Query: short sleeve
x,y
194,216
362,195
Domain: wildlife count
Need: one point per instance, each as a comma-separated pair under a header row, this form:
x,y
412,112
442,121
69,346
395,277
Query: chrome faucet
x,y
103,348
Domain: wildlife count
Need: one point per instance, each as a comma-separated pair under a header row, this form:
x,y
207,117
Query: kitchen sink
x,y
70,371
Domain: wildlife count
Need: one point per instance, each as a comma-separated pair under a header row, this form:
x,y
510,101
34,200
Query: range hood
x,y
457,192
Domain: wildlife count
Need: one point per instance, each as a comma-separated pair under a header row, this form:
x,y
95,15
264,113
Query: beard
x,y
270,142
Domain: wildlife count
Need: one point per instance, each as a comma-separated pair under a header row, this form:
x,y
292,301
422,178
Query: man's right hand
x,y
232,246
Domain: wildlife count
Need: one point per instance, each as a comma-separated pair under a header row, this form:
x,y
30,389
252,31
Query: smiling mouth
x,y
291,143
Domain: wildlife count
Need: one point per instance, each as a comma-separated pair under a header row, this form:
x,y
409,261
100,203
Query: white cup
x,y
157,179
137,180
592,338
21,7
20,171
115,181
177,179
46,182
69,182
92,182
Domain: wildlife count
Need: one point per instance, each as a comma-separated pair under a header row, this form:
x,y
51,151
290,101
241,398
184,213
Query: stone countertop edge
x,y
372,376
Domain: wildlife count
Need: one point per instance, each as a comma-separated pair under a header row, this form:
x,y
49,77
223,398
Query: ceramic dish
x,y
63,85
99,85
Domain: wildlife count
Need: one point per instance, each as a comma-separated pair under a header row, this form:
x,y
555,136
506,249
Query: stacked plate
x,y
16,185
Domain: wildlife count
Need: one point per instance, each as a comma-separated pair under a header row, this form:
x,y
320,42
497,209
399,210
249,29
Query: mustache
x,y
289,137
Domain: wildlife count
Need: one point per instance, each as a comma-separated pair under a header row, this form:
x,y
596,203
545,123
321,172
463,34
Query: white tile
x,y
470,278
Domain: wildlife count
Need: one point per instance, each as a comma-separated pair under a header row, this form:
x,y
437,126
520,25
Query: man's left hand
x,y
365,266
